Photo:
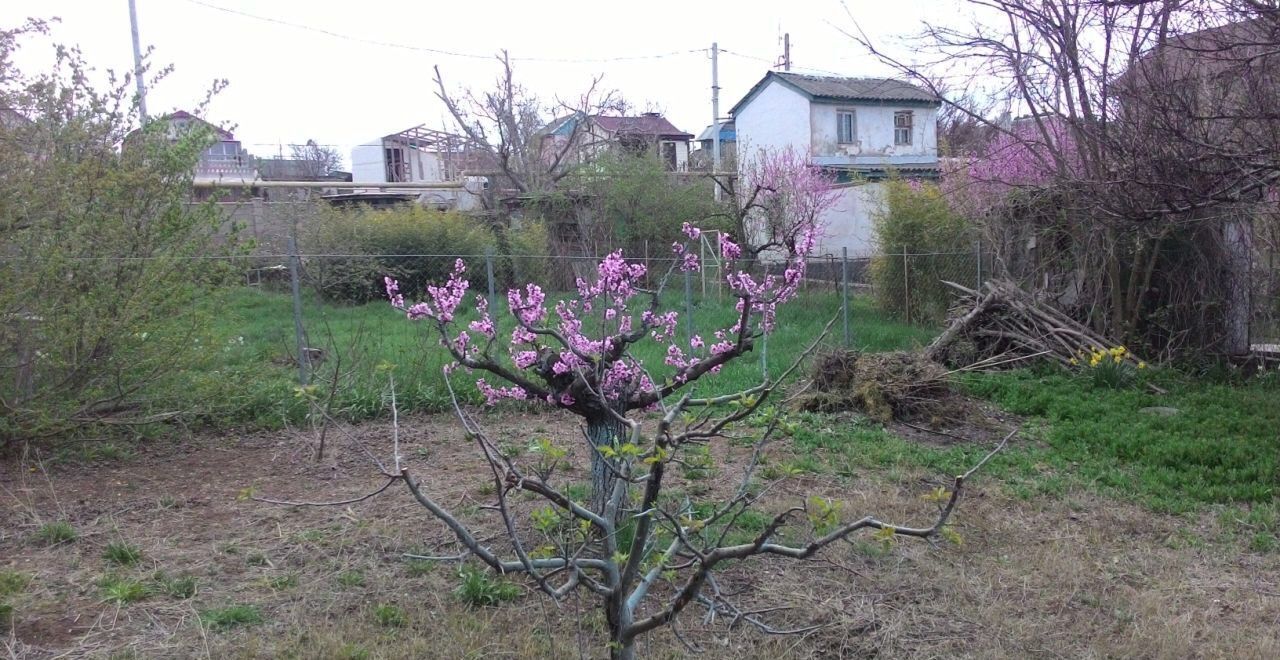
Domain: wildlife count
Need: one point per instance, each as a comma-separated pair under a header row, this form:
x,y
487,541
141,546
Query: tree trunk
x,y
604,430
1237,239
619,618
622,650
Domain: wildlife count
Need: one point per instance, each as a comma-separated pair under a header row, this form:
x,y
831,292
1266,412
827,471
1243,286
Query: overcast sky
x,y
343,73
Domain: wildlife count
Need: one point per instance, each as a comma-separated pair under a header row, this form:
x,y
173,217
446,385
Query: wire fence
x,y
905,287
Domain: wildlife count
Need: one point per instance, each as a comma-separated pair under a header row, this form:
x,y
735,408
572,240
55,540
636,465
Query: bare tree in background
x,y
509,124
317,161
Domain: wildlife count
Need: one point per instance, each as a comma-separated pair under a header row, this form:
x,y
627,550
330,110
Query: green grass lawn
x,y
1223,444
1220,452
1221,449
249,378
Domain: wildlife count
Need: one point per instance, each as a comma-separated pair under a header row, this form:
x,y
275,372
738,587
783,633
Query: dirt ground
x,y
1075,576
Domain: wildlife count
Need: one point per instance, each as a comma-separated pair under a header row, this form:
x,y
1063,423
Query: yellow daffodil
x,y
1142,365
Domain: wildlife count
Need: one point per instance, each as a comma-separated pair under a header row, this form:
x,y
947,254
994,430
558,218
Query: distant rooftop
x,y
222,134
650,123
727,132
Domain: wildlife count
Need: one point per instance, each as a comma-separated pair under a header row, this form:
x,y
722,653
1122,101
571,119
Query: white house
x,y
862,129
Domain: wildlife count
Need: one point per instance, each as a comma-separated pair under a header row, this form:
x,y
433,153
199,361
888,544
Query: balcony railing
x,y
225,169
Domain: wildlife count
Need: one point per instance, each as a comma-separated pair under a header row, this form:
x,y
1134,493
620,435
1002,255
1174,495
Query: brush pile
x,y
883,386
1002,325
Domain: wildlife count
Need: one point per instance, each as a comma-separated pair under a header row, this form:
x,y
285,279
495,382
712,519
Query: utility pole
x,y
715,109
786,51
137,60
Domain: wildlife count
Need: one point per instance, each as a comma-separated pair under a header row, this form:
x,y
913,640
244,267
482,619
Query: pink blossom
x,y
728,249
524,359
721,347
692,232
493,394
484,326
519,335
419,311
393,293
696,342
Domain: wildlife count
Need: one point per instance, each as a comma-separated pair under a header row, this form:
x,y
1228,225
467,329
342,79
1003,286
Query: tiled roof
x,y
642,125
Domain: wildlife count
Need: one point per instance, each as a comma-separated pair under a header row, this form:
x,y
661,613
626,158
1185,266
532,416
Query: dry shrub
x,y
884,386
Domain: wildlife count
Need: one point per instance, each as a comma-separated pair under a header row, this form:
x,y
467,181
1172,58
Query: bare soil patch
x,y
1076,576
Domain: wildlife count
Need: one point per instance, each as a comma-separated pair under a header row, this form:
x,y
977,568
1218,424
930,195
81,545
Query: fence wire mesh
x,y
331,284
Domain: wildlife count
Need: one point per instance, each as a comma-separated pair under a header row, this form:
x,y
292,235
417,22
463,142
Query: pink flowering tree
x,y
776,199
645,557
576,354
1030,155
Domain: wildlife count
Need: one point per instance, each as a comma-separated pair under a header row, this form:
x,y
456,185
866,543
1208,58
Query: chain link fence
x,y
905,287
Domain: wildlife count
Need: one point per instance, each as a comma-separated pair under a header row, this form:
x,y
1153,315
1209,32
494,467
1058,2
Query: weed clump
x,y
883,386
478,589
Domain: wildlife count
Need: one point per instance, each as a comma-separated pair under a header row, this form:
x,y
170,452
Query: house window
x,y
845,126
902,128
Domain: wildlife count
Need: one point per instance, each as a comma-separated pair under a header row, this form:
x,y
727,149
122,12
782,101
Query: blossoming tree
x,y
776,199
577,355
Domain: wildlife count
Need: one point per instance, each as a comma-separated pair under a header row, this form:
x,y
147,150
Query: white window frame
x,y
902,130
852,135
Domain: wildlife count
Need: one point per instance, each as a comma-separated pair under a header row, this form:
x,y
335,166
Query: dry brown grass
x,y
1079,576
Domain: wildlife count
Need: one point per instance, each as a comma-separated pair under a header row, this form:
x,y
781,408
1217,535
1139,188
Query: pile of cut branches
x,y
884,386
1002,325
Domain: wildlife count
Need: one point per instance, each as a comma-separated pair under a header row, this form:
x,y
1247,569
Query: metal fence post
x,y
304,360
688,305
764,356
978,250
488,269
844,293
906,286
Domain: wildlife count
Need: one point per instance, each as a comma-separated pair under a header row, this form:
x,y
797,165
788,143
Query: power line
x,y
773,62
436,51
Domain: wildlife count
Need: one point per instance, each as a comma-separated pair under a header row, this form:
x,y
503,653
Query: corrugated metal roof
x,y
727,132
858,89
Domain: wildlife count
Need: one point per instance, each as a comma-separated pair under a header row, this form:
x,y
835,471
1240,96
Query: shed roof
x,y
727,132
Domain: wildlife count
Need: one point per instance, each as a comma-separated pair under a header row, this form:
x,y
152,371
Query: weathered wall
x,y
873,131
367,163
777,117
848,223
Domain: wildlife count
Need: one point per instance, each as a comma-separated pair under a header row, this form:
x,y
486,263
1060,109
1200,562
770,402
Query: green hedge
x,y
353,249
916,218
